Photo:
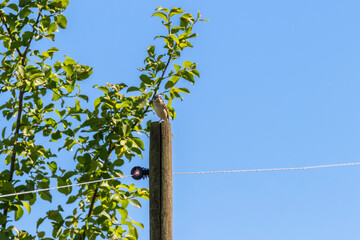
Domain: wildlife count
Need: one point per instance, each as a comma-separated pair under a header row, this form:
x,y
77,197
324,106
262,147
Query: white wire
x,y
65,186
183,173
273,169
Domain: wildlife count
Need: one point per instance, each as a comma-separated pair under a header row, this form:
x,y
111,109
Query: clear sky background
x,y
279,87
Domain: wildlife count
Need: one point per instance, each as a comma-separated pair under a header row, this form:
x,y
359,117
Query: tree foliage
x,y
41,102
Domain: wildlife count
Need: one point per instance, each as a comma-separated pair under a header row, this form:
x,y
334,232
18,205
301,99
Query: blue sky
x,y
279,87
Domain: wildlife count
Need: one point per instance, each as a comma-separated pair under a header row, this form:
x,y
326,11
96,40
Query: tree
x,y
44,96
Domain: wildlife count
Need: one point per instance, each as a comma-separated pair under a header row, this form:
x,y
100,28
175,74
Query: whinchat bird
x,y
160,108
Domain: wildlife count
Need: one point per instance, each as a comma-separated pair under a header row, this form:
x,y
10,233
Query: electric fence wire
x,y
64,186
272,169
186,173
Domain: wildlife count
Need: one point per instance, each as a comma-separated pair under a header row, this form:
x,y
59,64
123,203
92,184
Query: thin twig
x,y
155,91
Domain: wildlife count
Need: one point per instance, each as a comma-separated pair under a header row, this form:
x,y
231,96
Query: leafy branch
x,y
19,113
9,31
101,138
32,37
153,66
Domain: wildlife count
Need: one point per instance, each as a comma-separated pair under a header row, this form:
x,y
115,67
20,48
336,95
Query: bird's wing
x,y
167,112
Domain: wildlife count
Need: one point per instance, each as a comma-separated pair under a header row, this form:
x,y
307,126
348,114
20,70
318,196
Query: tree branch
x,y
156,88
21,99
34,30
9,32
111,148
13,154
93,198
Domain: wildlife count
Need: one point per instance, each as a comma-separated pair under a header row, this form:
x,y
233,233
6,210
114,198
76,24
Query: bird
x,y
160,108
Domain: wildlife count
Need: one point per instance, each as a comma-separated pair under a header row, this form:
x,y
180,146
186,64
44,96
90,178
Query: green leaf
x,y
45,22
97,102
132,89
176,29
172,113
175,11
3,132
56,96
39,222
60,113
177,67
135,202
123,212
188,76
21,71
23,3
54,215
71,199
161,15
173,37
184,90
83,140
151,51
13,6
69,61
159,8
53,166
56,136
61,21
103,154
46,196
187,64
98,210
69,88
8,159
50,36
24,13
86,98
52,28
41,234
118,162
139,143
192,35
125,129
27,206
68,69
2,220
38,103
188,17
53,49
173,80
146,79
133,232
195,72
62,182
138,224
19,212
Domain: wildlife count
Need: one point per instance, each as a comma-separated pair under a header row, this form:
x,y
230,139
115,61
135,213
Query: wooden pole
x,y
160,181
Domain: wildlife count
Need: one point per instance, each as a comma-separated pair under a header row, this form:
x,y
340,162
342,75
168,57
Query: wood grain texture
x,y
160,181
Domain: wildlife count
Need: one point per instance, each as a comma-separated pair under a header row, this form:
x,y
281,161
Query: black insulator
x,y
138,173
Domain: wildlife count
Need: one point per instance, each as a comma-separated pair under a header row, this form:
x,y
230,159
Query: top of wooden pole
x,y
160,181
